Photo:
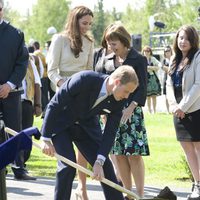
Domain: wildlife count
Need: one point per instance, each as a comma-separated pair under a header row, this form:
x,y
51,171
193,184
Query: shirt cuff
x,y
11,85
101,157
135,103
46,139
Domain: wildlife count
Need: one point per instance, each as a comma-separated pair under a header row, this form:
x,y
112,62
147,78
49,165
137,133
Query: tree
x,y
46,14
99,22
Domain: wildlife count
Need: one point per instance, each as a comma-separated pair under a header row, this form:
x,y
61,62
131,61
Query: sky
x,y
23,5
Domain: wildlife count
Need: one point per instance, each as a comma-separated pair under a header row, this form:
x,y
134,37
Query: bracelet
x,y
100,162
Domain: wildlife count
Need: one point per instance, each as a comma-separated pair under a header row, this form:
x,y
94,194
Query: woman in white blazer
x,y
71,51
183,93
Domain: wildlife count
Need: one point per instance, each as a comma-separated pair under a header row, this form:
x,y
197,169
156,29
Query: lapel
x,y
95,92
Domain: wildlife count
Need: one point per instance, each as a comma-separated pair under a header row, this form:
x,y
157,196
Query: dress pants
x,y
88,147
27,121
12,110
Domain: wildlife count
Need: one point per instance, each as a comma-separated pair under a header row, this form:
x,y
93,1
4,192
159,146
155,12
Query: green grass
x,y
163,167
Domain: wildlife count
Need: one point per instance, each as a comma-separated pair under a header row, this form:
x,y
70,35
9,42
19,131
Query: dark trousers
x,y
88,147
27,121
45,92
12,111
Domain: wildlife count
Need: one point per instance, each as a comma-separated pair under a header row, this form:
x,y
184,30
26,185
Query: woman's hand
x,y
60,82
179,113
127,113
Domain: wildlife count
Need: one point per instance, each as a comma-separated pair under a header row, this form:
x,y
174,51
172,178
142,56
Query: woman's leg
x,y
124,171
197,151
149,104
115,165
81,191
154,103
136,164
192,158
192,151
167,104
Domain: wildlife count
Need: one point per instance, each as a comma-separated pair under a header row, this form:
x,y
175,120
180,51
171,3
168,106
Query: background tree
x,y
99,22
46,14
54,13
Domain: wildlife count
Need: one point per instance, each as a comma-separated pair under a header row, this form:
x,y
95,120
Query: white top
x,y
190,88
62,62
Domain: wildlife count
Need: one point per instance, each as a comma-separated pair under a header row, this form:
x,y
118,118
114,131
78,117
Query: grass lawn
x,y
163,167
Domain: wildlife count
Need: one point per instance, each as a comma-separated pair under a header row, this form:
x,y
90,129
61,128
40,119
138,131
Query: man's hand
x,y
4,90
98,173
48,148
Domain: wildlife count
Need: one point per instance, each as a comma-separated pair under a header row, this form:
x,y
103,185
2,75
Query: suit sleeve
x,y
110,131
63,98
21,62
54,56
139,95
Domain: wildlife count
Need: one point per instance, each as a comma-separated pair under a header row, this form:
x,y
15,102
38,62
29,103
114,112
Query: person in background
x,y
31,101
14,61
131,139
183,93
72,117
71,51
44,79
52,87
165,68
37,61
153,82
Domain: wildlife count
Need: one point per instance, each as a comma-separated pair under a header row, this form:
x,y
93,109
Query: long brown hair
x,y
72,29
193,38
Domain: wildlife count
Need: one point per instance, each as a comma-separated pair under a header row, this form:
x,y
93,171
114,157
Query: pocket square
x,y
106,110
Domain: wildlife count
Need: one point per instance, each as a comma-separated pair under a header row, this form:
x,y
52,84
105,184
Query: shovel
x,y
82,169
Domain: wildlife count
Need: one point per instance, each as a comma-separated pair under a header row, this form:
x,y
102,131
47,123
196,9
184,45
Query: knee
x,y
137,158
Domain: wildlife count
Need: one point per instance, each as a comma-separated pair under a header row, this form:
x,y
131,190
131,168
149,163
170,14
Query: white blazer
x,y
190,88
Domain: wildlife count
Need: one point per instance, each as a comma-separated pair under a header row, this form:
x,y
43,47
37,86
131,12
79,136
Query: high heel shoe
x,y
127,198
80,196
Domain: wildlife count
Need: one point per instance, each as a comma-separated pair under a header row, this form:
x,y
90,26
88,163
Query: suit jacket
x,y
13,55
73,104
190,88
139,63
134,59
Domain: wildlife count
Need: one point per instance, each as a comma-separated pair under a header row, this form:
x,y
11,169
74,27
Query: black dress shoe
x,y
24,177
166,193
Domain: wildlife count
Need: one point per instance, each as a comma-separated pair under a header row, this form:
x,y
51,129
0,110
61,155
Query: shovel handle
x,y
82,169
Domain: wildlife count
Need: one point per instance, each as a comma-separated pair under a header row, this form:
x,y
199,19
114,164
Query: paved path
x,y
43,189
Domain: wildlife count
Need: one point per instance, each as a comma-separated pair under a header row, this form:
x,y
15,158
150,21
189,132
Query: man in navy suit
x,y
72,116
13,64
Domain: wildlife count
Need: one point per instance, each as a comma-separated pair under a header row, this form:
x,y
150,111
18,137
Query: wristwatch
x,y
99,161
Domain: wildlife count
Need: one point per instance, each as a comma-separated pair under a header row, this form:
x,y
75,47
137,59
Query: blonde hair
x,y
125,74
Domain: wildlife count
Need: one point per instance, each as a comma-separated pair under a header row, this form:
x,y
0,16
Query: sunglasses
x,y
1,9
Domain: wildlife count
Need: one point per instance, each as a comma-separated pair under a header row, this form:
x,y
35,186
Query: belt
x,y
67,73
